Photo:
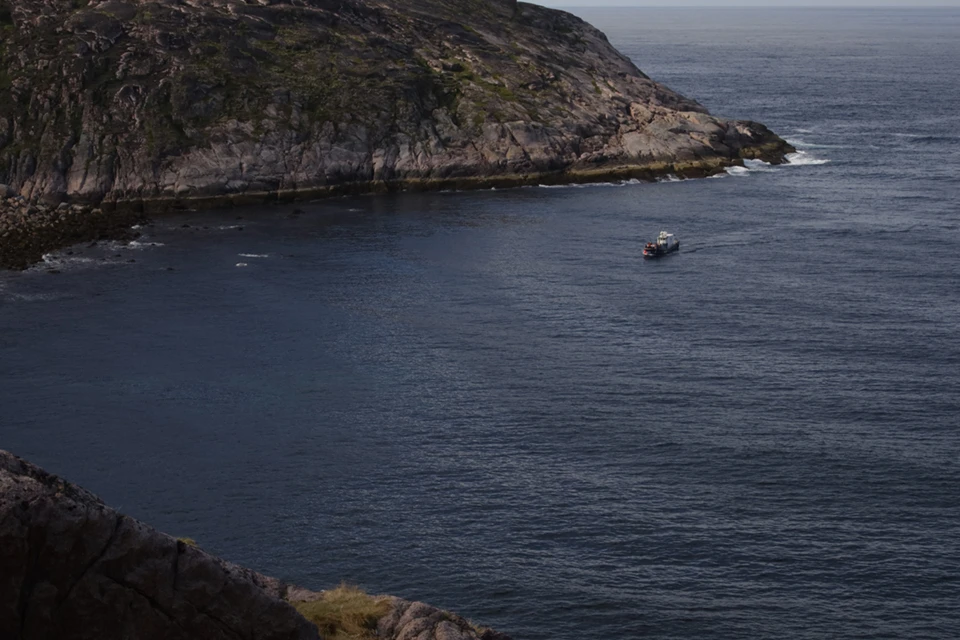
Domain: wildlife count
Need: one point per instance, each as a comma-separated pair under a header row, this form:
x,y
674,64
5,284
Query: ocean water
x,y
490,402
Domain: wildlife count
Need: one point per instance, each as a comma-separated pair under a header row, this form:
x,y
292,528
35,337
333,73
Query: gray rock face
x,y
71,568
132,100
419,621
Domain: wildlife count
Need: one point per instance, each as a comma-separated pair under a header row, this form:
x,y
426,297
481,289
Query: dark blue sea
x,y
490,402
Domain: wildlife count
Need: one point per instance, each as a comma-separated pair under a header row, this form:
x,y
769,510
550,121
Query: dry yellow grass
x,y
345,613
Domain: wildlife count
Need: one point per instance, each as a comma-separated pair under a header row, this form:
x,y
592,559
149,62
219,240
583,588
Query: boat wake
x,y
746,242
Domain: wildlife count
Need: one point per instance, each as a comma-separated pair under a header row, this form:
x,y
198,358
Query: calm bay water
x,y
490,402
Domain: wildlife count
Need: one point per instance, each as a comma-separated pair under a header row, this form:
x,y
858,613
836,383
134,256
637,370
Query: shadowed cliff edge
x,y
72,568
150,105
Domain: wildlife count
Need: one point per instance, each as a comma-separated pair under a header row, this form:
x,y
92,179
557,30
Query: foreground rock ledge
x,y
72,568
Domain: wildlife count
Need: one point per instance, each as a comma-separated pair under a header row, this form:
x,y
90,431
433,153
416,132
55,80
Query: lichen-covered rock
x,y
419,621
234,100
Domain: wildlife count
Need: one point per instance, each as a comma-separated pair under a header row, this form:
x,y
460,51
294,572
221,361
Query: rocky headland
x,y
150,104
72,568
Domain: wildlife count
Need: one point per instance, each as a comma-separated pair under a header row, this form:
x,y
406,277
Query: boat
x,y
664,244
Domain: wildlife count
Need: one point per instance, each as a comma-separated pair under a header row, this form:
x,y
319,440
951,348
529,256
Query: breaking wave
x,y
134,244
738,171
57,261
800,143
801,158
758,165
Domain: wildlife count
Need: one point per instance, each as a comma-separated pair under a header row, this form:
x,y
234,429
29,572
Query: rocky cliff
x,y
178,101
71,568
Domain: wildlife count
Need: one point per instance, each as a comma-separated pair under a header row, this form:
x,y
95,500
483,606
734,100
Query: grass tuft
x,y
345,613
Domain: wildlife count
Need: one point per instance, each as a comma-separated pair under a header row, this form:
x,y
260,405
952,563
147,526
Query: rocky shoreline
x,y
773,153
72,568
28,230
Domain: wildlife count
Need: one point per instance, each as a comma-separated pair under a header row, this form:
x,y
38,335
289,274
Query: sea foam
x,y
758,165
802,158
134,244
800,143
670,178
587,185
738,171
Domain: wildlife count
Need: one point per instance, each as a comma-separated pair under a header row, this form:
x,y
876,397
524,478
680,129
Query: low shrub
x,y
345,613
